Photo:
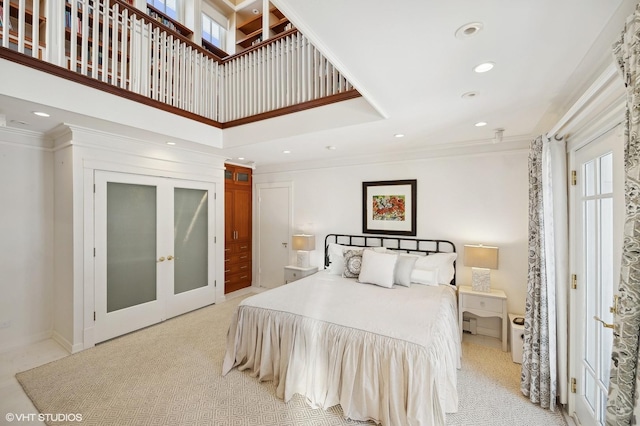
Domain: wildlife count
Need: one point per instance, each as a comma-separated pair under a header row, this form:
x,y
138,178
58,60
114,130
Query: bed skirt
x,y
372,376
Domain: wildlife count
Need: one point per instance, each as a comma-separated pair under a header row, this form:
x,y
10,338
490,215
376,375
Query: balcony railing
x,y
116,44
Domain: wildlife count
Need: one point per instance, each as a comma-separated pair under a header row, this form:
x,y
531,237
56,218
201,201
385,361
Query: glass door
x,y
154,250
193,247
598,209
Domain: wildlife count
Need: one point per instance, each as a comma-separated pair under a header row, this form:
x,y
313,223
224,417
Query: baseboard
x,y
491,332
66,345
477,325
26,341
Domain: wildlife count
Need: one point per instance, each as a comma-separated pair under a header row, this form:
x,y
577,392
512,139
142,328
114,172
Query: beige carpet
x,y
169,374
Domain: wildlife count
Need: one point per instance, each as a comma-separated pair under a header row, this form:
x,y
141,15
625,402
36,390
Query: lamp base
x,y
481,279
302,259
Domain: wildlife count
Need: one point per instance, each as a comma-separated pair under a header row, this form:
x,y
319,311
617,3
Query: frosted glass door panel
x,y
191,231
131,245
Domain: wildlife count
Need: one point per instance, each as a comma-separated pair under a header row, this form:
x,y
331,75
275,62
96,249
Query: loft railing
x,y
289,71
116,44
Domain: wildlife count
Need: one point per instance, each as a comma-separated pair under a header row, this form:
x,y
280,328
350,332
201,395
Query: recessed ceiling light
x,y
331,148
286,151
484,67
469,30
171,143
240,158
481,123
41,114
399,135
470,95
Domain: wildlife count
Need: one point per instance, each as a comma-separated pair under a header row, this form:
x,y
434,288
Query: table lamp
x,y
303,243
481,259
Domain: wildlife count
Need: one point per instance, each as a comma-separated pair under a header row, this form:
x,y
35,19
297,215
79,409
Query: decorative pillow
x,y
336,256
378,268
352,263
443,262
425,276
404,266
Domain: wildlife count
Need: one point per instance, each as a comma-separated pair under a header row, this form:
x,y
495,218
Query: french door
x,y
598,229
154,250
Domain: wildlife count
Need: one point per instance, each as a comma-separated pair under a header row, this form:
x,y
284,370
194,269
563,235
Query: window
x,y
212,31
168,7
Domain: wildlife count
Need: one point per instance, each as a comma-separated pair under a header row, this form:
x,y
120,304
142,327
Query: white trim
x,y
440,151
26,340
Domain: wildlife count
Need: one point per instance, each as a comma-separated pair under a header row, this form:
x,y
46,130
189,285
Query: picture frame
x,y
390,207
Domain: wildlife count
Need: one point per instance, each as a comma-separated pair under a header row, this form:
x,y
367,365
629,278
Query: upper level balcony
x,y
112,46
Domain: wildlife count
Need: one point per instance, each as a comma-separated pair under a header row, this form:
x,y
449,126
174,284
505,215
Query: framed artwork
x,y
389,207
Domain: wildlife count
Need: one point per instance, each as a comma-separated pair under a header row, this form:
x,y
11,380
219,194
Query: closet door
x,y
154,250
193,240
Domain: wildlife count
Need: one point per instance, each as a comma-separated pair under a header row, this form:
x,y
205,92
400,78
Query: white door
x,y
598,215
274,225
154,250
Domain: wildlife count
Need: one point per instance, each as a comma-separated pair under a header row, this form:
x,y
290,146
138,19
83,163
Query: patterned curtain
x,y
538,381
622,403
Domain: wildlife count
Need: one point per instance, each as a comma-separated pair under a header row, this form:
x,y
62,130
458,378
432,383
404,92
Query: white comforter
x,y
388,355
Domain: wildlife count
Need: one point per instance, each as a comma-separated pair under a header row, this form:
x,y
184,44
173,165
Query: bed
x,y
385,351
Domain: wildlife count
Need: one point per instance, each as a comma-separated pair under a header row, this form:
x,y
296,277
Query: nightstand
x,y
491,304
293,273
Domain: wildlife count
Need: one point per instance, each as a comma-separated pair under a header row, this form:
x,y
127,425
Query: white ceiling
x,y
404,58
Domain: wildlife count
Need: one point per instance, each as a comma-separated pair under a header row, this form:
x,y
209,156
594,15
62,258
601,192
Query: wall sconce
x,y
481,259
303,243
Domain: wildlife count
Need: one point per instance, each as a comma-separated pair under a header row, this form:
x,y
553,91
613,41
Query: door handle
x,y
170,257
604,324
161,259
284,245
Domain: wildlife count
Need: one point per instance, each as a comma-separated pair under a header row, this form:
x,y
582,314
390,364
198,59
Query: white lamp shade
x,y
481,256
304,242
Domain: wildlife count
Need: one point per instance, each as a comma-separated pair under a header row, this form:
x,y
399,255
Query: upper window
x,y
212,31
168,7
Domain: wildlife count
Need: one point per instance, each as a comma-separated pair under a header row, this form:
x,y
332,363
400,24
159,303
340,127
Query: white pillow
x,y
404,266
443,262
377,268
425,276
336,256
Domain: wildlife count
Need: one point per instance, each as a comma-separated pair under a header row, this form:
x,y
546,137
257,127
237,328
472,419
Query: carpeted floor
x,y
169,374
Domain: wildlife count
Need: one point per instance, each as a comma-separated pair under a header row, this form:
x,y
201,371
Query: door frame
x,y
167,304
575,249
83,287
257,225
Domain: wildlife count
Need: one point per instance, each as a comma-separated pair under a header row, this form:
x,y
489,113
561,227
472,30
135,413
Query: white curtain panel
x,y
554,183
623,407
544,362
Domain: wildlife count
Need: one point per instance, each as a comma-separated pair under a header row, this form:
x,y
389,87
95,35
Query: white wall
x,y
46,280
466,199
26,239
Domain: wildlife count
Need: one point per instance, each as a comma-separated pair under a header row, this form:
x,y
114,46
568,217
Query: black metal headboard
x,y
408,245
